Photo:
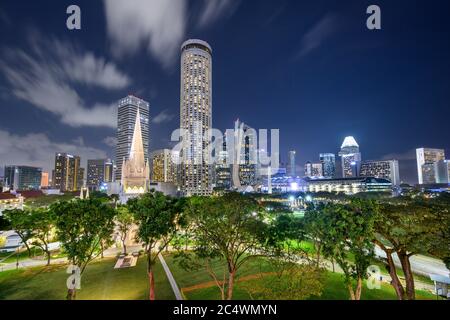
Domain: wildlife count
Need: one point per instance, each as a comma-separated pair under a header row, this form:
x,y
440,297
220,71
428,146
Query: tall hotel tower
x,y
350,158
195,116
126,119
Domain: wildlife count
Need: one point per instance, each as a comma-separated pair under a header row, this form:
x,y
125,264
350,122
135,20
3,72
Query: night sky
x,y
309,68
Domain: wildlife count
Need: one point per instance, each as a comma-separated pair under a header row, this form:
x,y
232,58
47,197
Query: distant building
x,y
292,170
349,185
222,168
23,177
9,201
426,156
99,171
328,161
163,169
68,174
387,169
442,169
126,119
308,170
245,163
350,158
317,170
44,180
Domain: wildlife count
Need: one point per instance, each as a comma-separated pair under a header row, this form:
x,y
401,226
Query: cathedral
x,y
135,170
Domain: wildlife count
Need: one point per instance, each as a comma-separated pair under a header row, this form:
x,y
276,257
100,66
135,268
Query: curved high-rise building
x,y
195,116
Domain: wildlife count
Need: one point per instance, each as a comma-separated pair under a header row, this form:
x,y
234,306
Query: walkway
x,y
172,281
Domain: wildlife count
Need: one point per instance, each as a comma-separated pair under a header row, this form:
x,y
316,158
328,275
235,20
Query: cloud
x,y
110,141
408,155
320,32
214,9
157,24
36,149
45,75
162,117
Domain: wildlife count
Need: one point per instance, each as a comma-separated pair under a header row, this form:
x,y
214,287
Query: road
x,y
420,264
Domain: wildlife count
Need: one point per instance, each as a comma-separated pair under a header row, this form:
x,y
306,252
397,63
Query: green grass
x,y
99,282
334,285
334,289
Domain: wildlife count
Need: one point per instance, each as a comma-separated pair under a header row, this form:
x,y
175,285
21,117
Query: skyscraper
x,y
292,172
98,172
195,116
245,153
23,177
126,119
68,174
163,169
427,156
350,158
328,161
442,169
387,169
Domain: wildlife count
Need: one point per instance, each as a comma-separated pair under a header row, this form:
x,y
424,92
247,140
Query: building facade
x,y
442,169
126,119
195,116
44,180
68,174
387,169
349,185
426,156
22,177
292,169
328,161
163,168
350,158
99,171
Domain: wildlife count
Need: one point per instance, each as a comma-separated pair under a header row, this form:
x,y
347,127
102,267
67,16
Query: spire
x,y
137,146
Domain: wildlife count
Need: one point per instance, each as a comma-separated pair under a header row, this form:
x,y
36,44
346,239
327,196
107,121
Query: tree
x,y
158,218
124,222
291,281
441,238
20,222
42,225
406,227
316,226
229,227
82,225
5,225
350,234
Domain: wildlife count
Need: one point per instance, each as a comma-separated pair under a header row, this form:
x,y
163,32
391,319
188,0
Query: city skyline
x,y
92,96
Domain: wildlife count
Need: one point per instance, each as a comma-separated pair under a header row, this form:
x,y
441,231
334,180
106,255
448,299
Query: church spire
x,y
137,146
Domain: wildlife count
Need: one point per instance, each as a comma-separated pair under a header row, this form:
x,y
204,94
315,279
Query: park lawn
x,y
99,282
47,200
193,277
334,289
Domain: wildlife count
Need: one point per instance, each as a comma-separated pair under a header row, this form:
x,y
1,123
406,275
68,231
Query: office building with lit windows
x,y
350,158
387,169
99,171
328,161
68,174
195,116
426,157
163,168
126,119
442,169
22,177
